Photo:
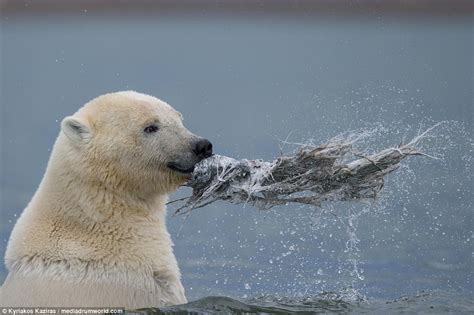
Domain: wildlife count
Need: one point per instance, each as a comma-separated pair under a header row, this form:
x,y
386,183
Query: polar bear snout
x,y
202,148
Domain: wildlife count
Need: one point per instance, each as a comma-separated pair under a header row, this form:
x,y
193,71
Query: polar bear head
x,y
133,140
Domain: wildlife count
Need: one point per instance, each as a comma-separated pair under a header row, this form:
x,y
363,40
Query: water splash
x,y
407,211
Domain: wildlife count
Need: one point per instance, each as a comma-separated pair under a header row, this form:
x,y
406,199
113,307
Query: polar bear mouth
x,y
179,168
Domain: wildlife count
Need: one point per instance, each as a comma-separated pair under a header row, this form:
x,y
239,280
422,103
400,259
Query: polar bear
x,y
94,233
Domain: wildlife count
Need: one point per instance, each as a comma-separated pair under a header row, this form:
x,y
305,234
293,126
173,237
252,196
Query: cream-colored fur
x,y
94,233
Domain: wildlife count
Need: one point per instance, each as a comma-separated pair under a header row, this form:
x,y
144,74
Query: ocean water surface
x,y
251,85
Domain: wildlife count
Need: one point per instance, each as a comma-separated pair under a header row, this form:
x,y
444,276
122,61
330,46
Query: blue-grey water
x,y
247,83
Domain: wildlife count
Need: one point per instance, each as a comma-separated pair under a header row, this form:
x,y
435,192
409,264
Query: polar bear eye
x,y
151,129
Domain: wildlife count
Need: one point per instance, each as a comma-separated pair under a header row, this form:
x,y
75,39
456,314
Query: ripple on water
x,y
346,300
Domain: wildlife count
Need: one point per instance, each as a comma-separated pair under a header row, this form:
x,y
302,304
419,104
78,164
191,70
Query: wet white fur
x,y
94,233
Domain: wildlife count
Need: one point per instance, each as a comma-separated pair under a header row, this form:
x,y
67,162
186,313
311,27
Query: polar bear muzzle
x,y
202,148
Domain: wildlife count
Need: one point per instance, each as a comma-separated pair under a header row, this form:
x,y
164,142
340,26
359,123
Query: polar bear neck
x,y
71,224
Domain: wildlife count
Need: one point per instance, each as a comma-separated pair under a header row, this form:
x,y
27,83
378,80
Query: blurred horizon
x,y
306,8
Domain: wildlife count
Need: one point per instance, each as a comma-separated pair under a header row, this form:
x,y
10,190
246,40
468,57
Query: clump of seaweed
x,y
333,171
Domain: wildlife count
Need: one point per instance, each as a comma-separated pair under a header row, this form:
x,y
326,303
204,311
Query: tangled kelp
x,y
334,171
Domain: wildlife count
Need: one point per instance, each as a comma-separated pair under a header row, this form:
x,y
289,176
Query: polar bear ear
x,y
76,130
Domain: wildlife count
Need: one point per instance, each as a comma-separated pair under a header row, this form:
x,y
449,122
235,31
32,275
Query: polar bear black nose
x,y
202,148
